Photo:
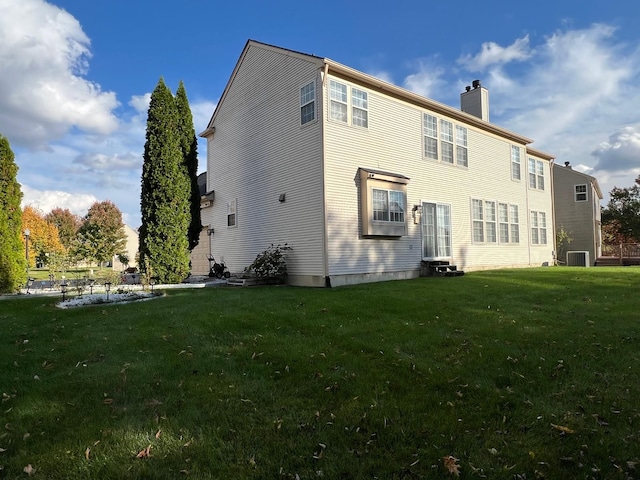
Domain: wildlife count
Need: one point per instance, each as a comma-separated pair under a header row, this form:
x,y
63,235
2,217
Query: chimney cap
x,y
567,164
476,84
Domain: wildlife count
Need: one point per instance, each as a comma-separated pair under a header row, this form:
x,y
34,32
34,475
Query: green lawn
x,y
518,374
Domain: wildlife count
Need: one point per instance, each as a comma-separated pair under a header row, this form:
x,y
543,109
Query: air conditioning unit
x,y
578,259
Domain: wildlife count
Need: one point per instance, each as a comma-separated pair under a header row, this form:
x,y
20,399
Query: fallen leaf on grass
x,y
29,470
562,428
87,452
158,433
145,453
451,465
2,450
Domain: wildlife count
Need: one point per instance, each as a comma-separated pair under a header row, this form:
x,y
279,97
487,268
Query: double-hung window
x,y
339,104
446,141
308,103
462,156
477,216
515,223
339,101
515,162
503,222
580,193
231,214
538,228
536,174
360,108
388,205
490,221
430,129
494,222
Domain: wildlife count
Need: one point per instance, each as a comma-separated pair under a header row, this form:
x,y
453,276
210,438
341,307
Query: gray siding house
x,y
364,180
577,212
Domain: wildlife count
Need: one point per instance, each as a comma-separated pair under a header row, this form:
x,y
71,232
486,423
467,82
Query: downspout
x,y
325,236
553,212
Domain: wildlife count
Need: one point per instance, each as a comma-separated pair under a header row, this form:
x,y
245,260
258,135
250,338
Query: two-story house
x,y
365,180
577,199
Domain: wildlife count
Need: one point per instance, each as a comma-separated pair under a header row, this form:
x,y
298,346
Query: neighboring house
x,y
131,250
200,254
577,212
365,180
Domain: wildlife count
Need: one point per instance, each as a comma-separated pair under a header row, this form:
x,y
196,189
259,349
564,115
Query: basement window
x,y
383,203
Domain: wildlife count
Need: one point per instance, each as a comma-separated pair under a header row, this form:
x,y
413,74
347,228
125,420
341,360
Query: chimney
x,y
475,100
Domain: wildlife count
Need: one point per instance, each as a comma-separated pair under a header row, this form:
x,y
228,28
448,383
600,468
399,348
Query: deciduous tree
x,y
67,224
43,236
12,253
101,235
621,216
165,193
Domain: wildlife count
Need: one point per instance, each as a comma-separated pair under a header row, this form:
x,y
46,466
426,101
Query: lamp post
x,y
27,233
107,287
64,286
91,280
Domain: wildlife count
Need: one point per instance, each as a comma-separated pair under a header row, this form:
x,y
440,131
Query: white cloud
x,y
44,55
621,153
46,201
493,54
428,80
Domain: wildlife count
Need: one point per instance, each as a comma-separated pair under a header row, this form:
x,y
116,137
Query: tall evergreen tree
x,y
165,193
189,144
12,253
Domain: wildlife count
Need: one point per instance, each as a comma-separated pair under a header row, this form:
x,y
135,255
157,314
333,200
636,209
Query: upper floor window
x,y
308,103
462,156
360,108
231,214
515,162
338,95
430,131
448,145
536,174
339,104
581,193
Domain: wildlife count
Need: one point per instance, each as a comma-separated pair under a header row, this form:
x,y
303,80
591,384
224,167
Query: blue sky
x,y
75,76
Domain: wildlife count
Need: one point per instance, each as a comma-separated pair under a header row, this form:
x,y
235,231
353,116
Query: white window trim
x,y
232,209
305,102
577,194
494,223
535,178
350,105
454,142
438,229
516,160
537,219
